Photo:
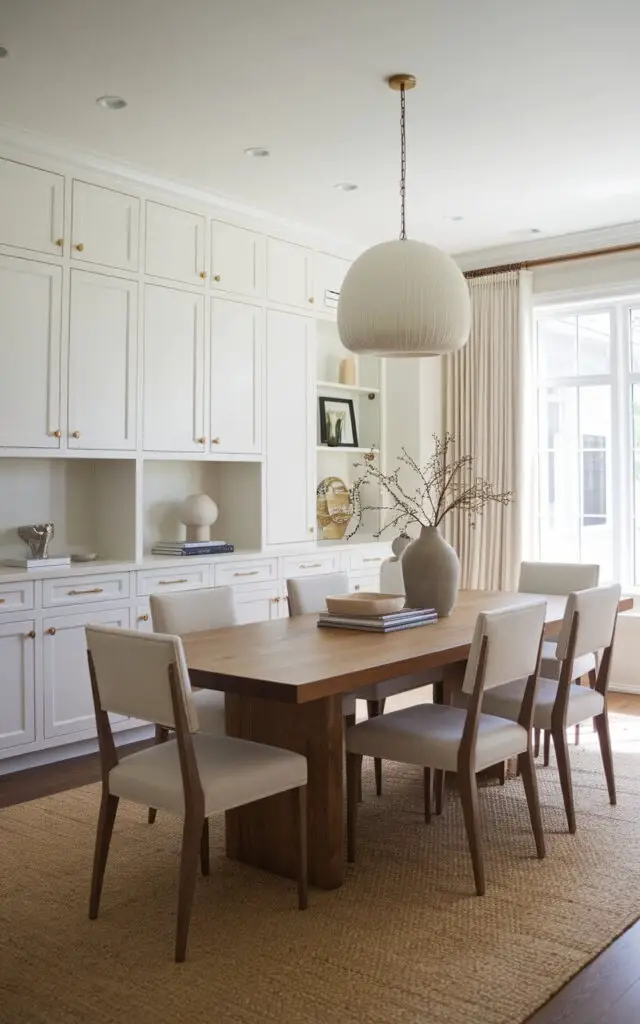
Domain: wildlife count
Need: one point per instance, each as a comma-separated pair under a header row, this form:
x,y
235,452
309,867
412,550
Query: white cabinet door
x,y
31,208
329,273
289,426
289,274
30,304
102,361
236,376
257,604
175,244
174,382
68,704
237,260
17,684
105,226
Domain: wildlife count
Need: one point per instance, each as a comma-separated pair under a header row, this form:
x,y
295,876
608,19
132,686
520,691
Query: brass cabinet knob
x,y
52,631
311,299
311,529
143,618
201,440
216,277
76,434
59,242
79,247
357,586
215,440
56,433
203,275
31,634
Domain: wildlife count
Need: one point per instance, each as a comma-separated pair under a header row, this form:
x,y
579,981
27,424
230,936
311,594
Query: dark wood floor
x,y
605,992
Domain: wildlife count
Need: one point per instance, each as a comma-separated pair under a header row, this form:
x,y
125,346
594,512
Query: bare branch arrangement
x,y
444,484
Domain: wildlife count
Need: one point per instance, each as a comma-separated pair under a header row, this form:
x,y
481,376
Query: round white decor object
x,y
404,298
198,512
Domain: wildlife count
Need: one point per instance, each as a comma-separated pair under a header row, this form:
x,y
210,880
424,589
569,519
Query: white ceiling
x,y
525,114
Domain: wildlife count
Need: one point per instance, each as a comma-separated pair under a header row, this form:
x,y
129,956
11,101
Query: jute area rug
x,y
404,941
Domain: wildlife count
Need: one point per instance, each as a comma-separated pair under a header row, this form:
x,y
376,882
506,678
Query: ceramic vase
x,y
431,572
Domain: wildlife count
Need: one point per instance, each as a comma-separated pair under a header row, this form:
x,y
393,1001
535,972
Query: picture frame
x,y
338,428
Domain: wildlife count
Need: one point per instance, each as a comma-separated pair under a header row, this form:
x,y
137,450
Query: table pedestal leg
x,y
263,833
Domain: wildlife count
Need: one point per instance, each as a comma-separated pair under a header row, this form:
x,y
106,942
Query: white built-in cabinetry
x,y
149,349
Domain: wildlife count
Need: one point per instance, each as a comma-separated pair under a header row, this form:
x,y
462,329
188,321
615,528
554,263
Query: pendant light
x,y
404,298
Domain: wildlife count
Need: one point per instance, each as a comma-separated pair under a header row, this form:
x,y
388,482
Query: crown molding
x,y
43,145
555,245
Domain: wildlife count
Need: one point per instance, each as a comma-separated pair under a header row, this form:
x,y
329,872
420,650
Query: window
x,y
587,360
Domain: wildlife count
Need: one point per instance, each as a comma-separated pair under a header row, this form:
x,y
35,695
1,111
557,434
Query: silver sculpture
x,y
37,537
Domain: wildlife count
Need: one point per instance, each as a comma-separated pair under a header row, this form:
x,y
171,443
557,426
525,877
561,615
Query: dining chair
x,y
190,611
506,645
307,595
559,578
589,623
144,675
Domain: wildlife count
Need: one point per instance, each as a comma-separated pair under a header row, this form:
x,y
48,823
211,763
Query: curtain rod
x,y
546,261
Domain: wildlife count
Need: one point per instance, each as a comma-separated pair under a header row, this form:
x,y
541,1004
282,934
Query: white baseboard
x,y
39,757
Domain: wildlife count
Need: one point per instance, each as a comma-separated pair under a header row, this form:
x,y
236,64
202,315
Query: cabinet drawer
x,y
83,589
310,565
179,578
16,597
366,582
232,573
367,561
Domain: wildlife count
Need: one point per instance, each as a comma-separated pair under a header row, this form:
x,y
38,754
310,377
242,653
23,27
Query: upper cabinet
x,y
236,376
175,244
31,208
330,272
237,260
102,362
105,226
289,274
30,305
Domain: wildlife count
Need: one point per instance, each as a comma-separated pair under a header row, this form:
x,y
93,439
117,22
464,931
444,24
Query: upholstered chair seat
x,y
505,701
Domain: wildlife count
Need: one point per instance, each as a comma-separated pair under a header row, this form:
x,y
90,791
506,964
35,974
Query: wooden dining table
x,y
284,681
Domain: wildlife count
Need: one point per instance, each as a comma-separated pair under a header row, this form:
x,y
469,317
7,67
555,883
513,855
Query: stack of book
x,y
192,547
407,618
55,562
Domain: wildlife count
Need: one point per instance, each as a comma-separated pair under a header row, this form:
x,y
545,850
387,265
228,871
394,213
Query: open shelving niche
x,y
367,394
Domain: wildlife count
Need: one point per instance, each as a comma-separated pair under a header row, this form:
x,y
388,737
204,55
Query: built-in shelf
x,y
345,449
359,389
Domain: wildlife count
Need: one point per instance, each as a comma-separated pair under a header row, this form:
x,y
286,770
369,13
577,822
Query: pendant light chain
x,y
403,165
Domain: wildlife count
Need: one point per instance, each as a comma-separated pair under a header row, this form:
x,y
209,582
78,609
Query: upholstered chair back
x,y
557,577
391,578
597,610
192,611
308,594
132,674
513,643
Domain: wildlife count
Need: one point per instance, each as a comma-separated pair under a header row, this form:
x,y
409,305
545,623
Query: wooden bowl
x,y
365,604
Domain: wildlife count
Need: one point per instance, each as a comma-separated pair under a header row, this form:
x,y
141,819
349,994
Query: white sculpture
x,y
198,512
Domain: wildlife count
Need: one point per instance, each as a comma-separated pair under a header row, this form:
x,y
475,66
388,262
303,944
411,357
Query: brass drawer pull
x,y
372,559
52,631
168,583
79,247
254,572
2,600
203,275
310,565
143,618
59,242
81,593
31,634
217,277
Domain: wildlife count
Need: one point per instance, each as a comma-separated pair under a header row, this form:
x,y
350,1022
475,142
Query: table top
x,y
292,660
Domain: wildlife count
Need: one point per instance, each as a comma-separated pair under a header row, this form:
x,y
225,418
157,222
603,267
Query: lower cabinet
x,y
17,683
258,603
68,704
143,619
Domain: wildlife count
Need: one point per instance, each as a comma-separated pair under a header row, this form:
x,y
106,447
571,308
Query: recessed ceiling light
x,y
454,217
257,151
111,102
345,186
3,52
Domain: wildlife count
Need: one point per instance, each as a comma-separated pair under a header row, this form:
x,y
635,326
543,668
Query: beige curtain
x,y
485,409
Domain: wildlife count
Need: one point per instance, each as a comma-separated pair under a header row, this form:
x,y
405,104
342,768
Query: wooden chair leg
x,y
593,679
469,796
438,786
191,836
576,738
354,770
106,819
502,774
604,738
162,735
350,720
547,748
300,824
427,795
375,708
536,742
564,769
530,782
204,847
